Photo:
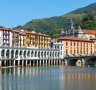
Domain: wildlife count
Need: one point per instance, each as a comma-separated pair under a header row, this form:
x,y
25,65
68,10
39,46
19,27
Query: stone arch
x,y
20,52
35,54
25,53
55,54
12,53
42,54
38,53
16,54
32,53
91,62
28,53
2,53
58,54
71,62
50,54
7,53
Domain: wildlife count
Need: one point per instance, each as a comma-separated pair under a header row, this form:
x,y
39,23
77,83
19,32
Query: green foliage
x,y
86,17
87,9
89,21
56,35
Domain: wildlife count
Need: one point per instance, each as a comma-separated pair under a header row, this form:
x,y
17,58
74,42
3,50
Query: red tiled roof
x,y
4,28
28,32
14,31
72,38
89,31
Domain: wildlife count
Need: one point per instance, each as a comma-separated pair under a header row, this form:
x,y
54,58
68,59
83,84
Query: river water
x,y
48,78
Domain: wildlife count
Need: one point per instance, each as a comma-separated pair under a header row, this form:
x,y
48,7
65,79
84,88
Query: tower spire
x,y
70,26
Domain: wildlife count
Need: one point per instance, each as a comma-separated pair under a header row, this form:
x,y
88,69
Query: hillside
x,y
87,9
53,25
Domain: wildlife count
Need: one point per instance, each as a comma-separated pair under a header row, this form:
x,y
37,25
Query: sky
x,y
19,12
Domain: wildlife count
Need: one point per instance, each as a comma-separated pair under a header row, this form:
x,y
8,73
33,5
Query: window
x,y
61,47
71,43
74,43
66,43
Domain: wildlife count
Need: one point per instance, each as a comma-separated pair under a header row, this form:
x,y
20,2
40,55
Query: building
x,y
25,38
43,41
77,46
89,33
15,38
5,37
22,38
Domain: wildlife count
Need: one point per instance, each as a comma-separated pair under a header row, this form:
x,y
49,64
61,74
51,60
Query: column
x,y
18,62
0,54
40,62
30,63
46,62
22,62
0,63
37,63
43,62
26,63
66,62
54,62
14,63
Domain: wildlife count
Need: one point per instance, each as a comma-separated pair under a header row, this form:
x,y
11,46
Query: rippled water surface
x,y
48,78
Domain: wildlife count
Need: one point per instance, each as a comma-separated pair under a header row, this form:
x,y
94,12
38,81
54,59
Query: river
x,y
48,78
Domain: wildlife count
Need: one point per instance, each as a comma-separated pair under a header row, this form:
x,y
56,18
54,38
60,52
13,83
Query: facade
x,y
28,42
24,38
5,37
15,38
43,41
77,46
89,33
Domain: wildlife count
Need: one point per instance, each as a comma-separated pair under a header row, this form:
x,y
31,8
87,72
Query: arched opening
x,y
58,54
35,53
91,62
31,53
42,54
2,53
7,53
20,52
72,62
28,53
24,53
16,54
53,54
12,54
50,54
39,54
45,54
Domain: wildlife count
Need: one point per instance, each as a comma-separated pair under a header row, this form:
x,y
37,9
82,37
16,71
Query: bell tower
x,y
70,26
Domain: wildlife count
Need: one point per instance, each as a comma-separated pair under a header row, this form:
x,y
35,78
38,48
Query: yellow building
x,y
15,38
37,40
43,41
77,46
28,42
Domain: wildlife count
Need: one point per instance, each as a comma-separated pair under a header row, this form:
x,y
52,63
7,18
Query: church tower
x,y
70,27
80,33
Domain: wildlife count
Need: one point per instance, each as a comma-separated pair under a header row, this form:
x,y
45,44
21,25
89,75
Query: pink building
x,y
5,37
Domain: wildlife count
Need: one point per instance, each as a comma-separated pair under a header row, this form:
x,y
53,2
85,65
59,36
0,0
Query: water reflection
x,y
48,78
